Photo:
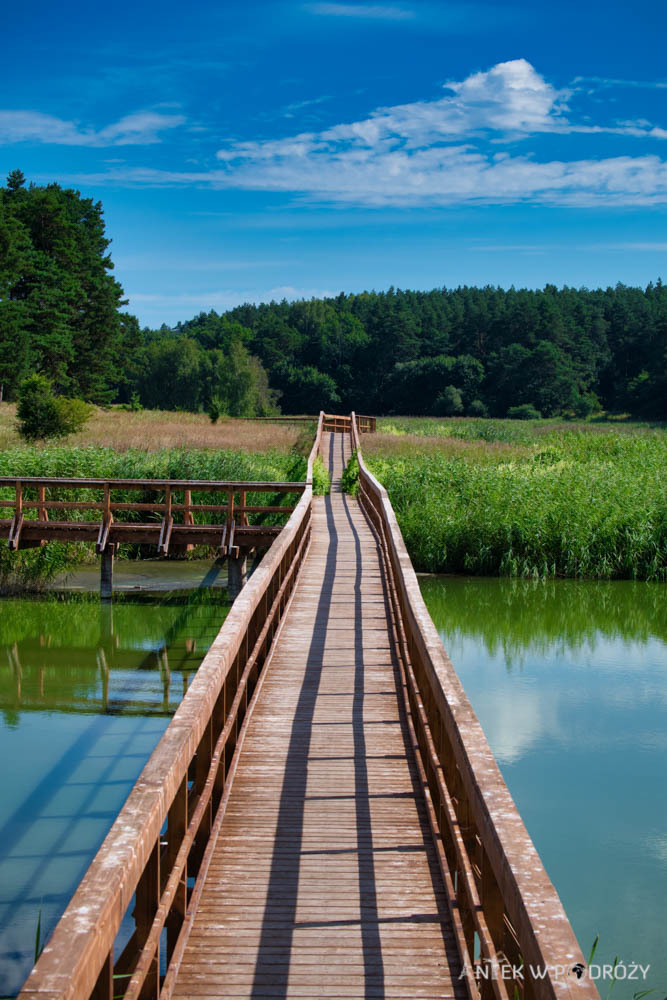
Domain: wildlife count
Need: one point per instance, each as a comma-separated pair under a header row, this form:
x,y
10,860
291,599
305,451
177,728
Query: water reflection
x,y
85,694
569,681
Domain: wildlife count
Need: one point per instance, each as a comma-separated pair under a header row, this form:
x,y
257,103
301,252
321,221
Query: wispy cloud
x,y
378,12
228,298
142,128
641,247
453,176
606,81
180,263
291,109
440,152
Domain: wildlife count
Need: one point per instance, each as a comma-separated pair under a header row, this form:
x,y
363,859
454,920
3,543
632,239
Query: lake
x,y
569,681
86,691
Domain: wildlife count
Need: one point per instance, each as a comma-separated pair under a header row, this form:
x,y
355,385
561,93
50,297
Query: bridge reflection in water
x,y
85,695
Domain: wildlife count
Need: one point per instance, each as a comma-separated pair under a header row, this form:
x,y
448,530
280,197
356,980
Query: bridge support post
x,y
106,573
257,555
237,574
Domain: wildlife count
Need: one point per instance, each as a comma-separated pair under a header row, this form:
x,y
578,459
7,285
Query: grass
x,y
527,499
157,430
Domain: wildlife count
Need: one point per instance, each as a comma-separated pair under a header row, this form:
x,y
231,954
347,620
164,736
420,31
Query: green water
x,y
86,691
569,681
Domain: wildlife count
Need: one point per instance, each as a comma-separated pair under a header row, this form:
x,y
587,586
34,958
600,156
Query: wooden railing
x,y
505,909
342,425
157,521
150,869
366,424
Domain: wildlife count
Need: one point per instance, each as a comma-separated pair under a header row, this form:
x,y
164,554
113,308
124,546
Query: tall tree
x,y
58,297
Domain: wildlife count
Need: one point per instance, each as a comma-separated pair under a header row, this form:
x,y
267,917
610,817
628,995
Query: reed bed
x,y
559,500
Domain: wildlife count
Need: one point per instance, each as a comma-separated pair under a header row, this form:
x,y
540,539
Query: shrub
x,y
215,409
36,411
350,477
321,478
71,414
585,405
449,403
526,411
43,415
478,409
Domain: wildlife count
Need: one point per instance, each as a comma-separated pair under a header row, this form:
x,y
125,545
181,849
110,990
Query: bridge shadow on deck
x,y
279,922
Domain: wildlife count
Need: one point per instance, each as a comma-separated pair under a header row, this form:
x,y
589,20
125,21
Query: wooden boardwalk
x,y
324,880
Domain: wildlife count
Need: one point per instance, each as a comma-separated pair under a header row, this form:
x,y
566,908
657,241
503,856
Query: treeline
x,y
461,351
466,350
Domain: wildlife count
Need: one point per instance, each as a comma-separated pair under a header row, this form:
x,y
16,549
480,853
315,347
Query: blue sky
x,y
258,150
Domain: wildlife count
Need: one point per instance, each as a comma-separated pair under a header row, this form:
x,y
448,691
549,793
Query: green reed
x,y
573,503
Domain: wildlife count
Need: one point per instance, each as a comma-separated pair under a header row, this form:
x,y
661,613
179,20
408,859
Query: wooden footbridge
x,y
157,518
323,817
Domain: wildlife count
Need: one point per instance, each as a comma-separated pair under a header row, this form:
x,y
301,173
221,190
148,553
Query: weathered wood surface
x,y
507,907
324,880
166,820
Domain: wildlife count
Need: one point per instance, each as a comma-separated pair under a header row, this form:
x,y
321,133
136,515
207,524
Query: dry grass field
x,y
155,430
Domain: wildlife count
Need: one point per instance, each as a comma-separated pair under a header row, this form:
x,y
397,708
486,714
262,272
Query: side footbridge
x,y
323,817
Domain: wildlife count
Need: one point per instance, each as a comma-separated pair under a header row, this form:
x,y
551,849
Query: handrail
x,y
161,838
203,485
502,898
24,530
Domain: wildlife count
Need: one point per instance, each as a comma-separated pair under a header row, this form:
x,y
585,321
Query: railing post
x,y
177,824
147,901
230,508
17,521
103,989
492,904
189,517
43,513
167,522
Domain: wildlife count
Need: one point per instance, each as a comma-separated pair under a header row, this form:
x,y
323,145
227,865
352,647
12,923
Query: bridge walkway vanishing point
x,y
323,816
324,881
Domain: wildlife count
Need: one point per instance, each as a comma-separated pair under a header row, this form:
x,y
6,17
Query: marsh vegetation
x,y
527,499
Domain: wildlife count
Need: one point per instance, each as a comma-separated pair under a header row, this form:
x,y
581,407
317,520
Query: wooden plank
x,y
75,955
324,879
488,830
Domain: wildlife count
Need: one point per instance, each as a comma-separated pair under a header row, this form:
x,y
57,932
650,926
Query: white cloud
x,y
437,176
141,128
363,10
511,99
441,152
416,153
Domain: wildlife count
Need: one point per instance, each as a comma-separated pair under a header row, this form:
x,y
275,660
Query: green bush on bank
x,y
41,414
